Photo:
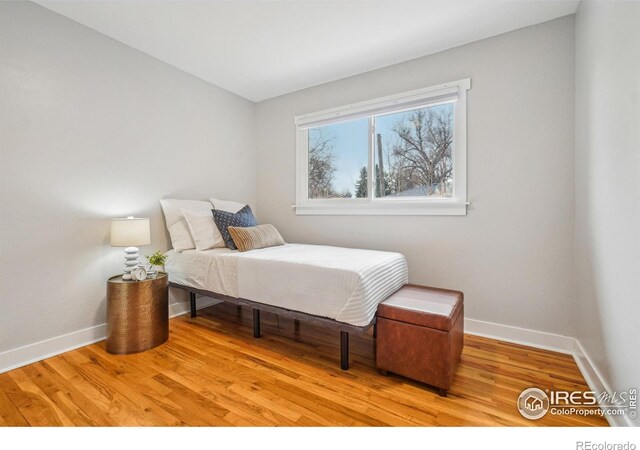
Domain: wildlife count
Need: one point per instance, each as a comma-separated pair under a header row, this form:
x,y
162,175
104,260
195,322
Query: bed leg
x,y
344,350
256,323
192,300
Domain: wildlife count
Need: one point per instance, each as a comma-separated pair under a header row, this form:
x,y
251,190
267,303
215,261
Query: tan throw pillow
x,y
251,238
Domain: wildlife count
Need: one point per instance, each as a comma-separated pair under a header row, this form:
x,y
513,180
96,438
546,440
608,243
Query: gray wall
x,y
92,129
608,188
512,255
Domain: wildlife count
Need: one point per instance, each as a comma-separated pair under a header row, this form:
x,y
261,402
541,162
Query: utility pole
x,y
380,165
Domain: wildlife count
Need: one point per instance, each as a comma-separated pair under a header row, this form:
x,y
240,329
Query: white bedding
x,y
339,283
214,270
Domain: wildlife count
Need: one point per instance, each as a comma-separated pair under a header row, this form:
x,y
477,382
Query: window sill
x,y
435,208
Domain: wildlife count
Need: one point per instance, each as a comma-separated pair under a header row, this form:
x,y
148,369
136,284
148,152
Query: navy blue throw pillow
x,y
225,219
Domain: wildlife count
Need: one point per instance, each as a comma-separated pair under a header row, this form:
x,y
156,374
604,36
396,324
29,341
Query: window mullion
x,y
371,167
305,164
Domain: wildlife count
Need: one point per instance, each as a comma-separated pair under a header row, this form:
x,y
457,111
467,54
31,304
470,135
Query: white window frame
x,y
431,96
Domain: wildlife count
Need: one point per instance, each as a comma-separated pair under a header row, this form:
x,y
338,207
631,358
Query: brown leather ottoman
x,y
420,334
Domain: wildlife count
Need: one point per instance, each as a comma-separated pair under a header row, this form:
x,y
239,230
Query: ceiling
x,y
262,49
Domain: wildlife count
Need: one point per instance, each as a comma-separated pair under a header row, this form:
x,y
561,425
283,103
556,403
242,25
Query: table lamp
x,y
130,232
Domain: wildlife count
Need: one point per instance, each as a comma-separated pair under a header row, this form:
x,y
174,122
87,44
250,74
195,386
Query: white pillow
x,y
203,229
176,222
227,205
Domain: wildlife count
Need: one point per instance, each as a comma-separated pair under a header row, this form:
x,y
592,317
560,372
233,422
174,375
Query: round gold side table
x,y
137,314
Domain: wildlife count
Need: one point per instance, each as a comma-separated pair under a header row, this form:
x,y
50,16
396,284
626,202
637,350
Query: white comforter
x,y
339,283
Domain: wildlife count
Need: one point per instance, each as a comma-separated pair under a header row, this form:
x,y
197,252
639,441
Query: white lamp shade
x,y
130,232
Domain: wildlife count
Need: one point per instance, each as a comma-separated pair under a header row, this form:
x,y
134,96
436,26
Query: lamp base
x,y
131,255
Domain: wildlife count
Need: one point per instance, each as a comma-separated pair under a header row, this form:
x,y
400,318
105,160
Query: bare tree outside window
x,y
419,153
321,164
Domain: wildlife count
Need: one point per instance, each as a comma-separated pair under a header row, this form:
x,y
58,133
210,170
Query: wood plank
x,y
56,392
11,415
36,408
192,401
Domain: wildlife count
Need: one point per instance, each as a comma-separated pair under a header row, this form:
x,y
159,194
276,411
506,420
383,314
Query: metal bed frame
x,y
343,327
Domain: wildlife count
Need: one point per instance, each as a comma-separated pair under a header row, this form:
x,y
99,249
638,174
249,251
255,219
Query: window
x,y
404,154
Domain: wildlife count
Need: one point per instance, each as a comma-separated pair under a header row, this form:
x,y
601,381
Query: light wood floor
x,y
212,372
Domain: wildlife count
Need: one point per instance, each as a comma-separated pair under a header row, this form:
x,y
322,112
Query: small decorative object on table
x,y
138,274
156,260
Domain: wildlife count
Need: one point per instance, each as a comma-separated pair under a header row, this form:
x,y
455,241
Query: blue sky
x,y
350,147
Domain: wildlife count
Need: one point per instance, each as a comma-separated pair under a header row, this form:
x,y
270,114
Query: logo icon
x,y
533,403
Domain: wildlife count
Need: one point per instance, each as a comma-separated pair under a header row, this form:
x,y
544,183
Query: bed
x,y
335,287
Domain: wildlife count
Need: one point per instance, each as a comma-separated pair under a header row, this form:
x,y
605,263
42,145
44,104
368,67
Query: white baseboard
x,y
21,356
522,336
178,309
596,382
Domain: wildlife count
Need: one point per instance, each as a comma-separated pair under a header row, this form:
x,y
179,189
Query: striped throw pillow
x,y
251,238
